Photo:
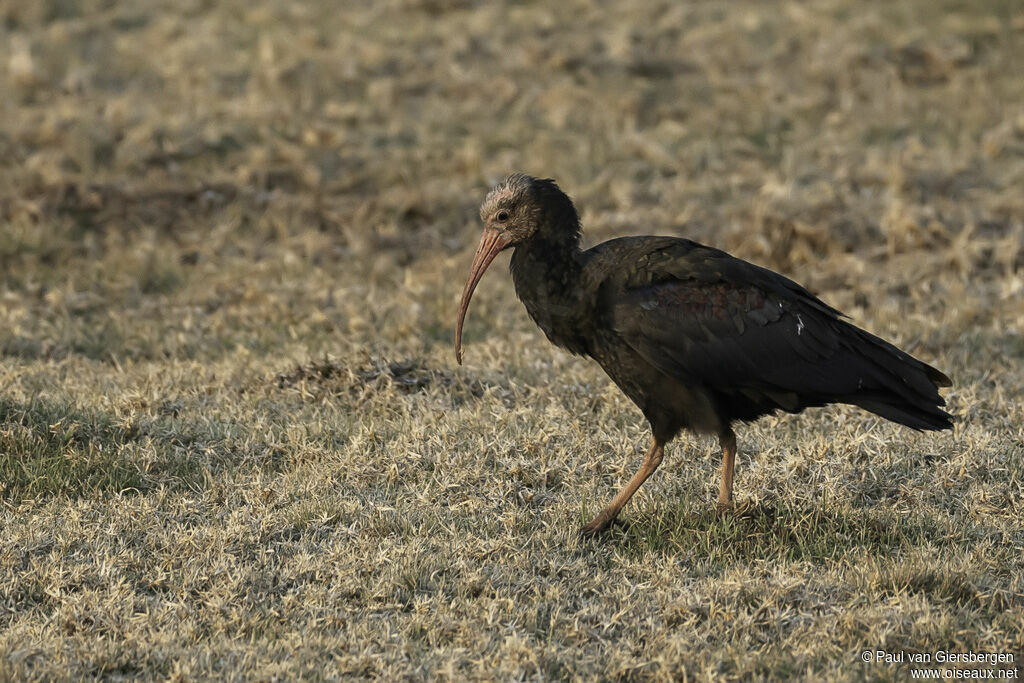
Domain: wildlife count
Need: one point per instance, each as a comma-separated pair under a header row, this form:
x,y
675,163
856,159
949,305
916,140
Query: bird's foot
x,y
725,508
599,524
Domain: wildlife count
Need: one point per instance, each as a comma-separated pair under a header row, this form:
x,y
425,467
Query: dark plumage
x,y
696,338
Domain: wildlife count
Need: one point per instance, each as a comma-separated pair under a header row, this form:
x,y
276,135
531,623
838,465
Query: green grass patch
x,y
53,449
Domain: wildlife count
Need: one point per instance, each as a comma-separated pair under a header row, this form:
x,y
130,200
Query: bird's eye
x,y
502,216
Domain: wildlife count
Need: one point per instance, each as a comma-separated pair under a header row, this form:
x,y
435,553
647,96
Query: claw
x,y
596,526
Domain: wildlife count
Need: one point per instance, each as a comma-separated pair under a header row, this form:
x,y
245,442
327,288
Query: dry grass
x,y
233,441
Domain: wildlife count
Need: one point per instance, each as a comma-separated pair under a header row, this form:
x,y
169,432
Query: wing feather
x,y
700,315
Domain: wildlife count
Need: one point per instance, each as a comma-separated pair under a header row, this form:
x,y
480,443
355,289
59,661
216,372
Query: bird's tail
x,y
904,389
931,418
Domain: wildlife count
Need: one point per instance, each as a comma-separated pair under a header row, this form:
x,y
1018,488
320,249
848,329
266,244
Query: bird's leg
x,y
728,441
607,516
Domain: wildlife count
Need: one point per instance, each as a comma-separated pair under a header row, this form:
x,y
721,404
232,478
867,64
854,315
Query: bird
x,y
698,339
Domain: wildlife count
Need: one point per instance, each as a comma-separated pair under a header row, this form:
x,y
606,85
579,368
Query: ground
x,y
233,438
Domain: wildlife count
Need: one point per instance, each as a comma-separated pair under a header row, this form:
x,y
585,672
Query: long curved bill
x,y
491,243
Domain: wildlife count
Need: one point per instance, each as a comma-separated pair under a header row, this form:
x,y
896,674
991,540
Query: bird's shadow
x,y
770,529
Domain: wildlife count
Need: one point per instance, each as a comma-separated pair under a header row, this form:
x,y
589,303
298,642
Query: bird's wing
x,y
699,314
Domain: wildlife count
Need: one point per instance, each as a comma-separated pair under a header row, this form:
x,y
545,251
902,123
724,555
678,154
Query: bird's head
x,y
513,208
520,209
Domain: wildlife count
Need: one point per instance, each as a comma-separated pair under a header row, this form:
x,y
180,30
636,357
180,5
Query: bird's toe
x,y
598,525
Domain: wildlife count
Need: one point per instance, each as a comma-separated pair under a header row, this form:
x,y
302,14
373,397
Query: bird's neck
x,y
547,276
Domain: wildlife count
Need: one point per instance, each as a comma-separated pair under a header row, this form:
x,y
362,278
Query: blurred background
x,y
177,178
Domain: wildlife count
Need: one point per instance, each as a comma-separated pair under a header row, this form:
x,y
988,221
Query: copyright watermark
x,y
948,664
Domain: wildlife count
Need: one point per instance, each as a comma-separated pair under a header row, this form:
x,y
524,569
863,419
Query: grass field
x,y
233,438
